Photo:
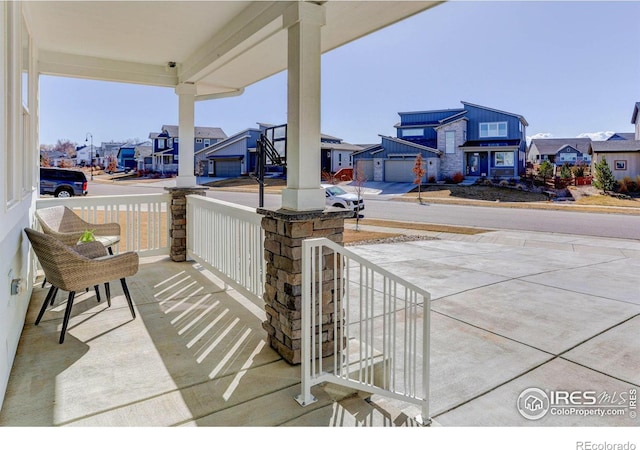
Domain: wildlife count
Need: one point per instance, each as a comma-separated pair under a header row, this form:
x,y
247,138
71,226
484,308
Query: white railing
x,y
144,219
228,240
380,327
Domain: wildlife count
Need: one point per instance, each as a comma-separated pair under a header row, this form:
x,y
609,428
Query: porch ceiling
x,y
222,46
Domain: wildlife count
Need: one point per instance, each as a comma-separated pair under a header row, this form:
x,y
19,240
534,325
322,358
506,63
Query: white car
x,y
339,198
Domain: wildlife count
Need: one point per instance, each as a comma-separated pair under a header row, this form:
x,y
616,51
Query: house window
x,y
207,142
162,144
493,129
412,132
198,141
176,140
620,164
504,159
449,141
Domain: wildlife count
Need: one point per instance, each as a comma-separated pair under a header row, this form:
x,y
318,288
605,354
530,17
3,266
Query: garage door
x,y
366,166
224,168
399,171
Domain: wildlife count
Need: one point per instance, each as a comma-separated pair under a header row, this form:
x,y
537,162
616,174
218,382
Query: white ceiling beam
x,y
255,24
62,64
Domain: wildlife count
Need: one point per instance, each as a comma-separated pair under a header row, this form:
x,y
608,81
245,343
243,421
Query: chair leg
x,y
44,282
128,296
107,290
53,296
49,298
97,289
67,315
110,250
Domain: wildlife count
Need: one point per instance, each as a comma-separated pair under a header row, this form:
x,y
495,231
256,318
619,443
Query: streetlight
x,y
90,152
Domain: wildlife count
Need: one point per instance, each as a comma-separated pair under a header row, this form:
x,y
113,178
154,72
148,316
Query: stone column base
x,y
284,232
178,225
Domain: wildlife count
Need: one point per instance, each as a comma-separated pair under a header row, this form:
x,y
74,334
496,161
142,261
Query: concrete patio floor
x,y
510,311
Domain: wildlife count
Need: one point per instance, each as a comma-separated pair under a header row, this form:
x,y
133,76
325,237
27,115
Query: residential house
x,y
216,55
475,141
56,158
336,154
166,145
622,155
236,155
127,156
143,155
85,153
560,150
230,157
108,152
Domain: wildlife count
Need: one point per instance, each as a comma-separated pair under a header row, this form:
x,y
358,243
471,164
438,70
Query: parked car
x,y
62,182
339,198
119,169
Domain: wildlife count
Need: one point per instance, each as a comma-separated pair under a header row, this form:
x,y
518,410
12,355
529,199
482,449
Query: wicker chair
x,y
74,268
62,223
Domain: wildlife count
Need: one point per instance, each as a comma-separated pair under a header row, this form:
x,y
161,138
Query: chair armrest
x,y
90,249
104,229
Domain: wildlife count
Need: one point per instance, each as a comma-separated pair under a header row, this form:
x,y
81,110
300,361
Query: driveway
x,y
513,311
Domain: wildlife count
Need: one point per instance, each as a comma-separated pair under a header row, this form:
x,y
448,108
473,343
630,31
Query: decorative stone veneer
x,y
284,233
178,224
451,163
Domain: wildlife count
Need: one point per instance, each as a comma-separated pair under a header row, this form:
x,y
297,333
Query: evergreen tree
x,y
603,177
545,170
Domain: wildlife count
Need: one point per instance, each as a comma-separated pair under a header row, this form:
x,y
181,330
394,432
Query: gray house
x,y
560,150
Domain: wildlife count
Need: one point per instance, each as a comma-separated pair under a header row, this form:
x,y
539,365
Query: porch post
x,y
186,121
303,192
303,214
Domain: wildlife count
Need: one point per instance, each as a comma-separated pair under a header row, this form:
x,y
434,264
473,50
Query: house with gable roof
x,y
622,155
559,150
166,145
475,141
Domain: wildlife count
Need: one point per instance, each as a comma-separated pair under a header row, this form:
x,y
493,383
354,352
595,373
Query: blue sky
x,y
569,68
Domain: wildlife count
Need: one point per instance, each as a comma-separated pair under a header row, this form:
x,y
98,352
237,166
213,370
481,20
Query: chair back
x,y
59,219
61,265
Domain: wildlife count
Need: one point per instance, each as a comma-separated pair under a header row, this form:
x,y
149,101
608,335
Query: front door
x,y
477,164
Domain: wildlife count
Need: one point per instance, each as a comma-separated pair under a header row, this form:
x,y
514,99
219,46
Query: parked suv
x,y
62,182
338,197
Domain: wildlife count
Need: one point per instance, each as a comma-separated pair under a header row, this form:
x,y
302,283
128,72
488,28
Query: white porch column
x,y
303,192
186,122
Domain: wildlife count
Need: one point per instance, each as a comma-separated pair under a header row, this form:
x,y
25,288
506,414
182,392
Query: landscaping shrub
x,y
457,177
603,178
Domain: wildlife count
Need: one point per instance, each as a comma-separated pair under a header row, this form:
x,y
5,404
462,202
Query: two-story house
x,y
166,144
236,155
475,141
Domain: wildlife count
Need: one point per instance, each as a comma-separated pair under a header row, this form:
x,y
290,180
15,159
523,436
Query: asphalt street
x,y
384,207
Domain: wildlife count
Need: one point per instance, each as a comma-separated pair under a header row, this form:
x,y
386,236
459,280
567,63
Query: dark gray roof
x,y
615,146
552,145
521,118
199,132
627,136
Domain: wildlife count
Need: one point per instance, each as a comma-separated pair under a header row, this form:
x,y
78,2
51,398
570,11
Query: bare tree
x,y
359,180
419,171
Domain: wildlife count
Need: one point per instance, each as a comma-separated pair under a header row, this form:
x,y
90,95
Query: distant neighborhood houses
x,y
470,142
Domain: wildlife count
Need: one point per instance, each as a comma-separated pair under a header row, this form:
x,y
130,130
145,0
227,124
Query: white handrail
x,y
228,240
144,219
380,327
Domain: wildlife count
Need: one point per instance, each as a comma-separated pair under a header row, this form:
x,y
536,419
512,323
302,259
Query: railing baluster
x,y
393,302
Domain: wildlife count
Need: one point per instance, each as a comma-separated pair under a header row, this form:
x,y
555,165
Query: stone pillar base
x,y
284,232
178,225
